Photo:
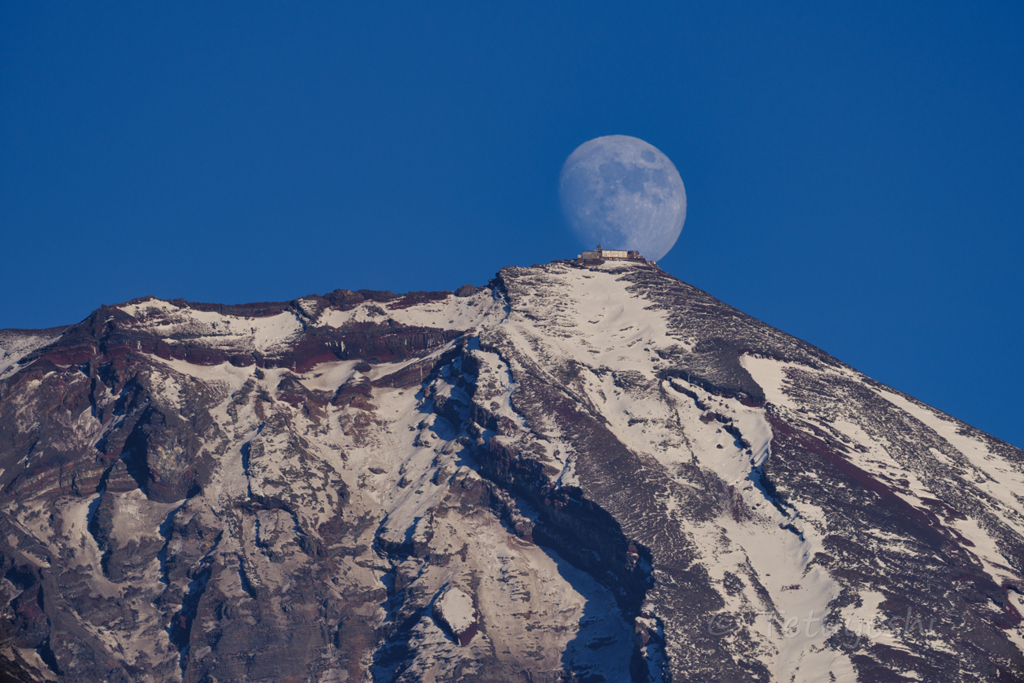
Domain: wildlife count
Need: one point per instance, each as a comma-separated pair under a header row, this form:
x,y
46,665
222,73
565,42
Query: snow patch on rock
x,y
455,610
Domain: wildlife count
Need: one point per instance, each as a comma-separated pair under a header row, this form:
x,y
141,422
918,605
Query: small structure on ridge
x,y
600,254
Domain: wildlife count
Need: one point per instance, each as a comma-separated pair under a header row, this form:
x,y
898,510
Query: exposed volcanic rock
x,y
581,472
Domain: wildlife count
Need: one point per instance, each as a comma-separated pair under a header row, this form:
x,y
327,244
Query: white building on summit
x,y
610,255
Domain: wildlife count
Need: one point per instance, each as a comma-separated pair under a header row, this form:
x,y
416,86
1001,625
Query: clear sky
x,y
854,171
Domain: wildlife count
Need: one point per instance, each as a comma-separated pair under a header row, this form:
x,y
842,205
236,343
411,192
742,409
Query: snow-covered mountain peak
x,y
583,471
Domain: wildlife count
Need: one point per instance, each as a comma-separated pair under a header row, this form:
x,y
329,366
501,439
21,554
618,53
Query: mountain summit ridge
x,y
578,472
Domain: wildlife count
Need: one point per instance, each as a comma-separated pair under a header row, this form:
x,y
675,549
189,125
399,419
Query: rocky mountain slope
x,y
582,472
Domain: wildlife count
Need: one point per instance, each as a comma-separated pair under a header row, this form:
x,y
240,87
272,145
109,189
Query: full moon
x,y
623,193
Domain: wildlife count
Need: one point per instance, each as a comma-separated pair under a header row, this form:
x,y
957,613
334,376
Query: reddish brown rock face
x,y
580,472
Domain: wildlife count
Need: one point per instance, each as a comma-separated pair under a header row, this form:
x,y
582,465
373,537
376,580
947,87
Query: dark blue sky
x,y
854,171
